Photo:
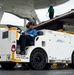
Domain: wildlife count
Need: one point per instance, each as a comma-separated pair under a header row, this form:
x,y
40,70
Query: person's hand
x,y
31,35
26,33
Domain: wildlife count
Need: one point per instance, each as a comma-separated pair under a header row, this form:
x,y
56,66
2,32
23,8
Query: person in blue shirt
x,y
27,36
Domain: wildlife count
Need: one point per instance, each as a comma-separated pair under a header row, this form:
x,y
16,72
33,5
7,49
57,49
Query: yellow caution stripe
x,y
17,35
15,59
12,28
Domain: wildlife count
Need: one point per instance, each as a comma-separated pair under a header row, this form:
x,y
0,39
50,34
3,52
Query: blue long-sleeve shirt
x,y
32,32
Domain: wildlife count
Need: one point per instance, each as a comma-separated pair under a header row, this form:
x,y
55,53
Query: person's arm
x,y
25,33
34,33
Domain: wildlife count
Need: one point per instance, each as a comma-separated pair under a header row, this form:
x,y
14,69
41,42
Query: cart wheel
x,y
8,65
72,64
38,59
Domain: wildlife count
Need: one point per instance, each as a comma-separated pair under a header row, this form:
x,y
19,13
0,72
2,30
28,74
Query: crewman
x,y
51,12
27,37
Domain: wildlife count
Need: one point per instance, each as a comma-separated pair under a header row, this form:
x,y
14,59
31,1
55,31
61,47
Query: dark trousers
x,y
51,15
24,41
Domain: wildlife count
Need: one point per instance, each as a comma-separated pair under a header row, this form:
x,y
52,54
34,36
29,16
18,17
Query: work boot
x,y
22,53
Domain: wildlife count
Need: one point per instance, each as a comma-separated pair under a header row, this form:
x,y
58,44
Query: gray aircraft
x,y
26,8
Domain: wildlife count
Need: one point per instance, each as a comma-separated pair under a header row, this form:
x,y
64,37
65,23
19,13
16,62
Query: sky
x,y
42,14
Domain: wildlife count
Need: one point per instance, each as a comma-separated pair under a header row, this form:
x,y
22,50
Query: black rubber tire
x,y
72,64
38,59
8,65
